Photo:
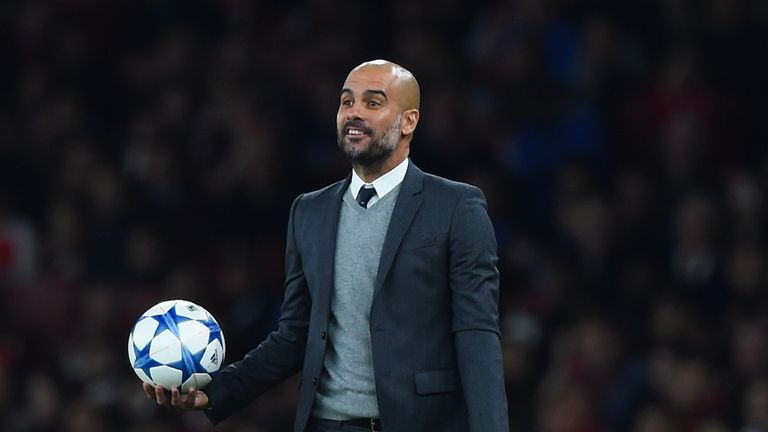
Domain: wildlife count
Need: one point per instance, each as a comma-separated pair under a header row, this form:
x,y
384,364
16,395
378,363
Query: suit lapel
x,y
408,202
327,229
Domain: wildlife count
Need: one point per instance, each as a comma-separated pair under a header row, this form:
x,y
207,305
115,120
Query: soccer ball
x,y
176,343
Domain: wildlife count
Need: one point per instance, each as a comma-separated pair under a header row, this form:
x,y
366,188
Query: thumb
x,y
201,400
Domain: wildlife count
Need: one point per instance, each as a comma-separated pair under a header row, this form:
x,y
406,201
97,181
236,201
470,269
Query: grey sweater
x,y
346,388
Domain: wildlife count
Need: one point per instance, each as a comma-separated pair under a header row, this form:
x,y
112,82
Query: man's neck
x,y
369,173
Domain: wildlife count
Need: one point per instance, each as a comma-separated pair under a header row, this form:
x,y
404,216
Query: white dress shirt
x,y
383,184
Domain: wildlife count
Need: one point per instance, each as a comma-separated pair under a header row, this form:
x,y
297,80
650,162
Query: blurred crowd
x,y
150,150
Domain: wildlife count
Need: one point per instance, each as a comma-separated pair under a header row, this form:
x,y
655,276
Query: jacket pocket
x,y
419,243
439,381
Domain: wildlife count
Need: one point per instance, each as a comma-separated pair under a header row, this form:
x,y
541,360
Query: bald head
x,y
378,113
401,81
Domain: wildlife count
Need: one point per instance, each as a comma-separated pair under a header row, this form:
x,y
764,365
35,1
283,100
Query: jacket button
x,y
323,335
314,381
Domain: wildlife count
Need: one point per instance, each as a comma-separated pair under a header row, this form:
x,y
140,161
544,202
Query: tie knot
x,y
364,195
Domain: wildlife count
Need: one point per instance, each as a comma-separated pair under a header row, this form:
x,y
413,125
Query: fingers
x,y
149,391
183,402
189,402
175,398
162,397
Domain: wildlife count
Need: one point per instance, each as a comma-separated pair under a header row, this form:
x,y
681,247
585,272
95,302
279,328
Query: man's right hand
x,y
193,400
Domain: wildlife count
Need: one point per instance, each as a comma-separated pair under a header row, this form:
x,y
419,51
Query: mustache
x,y
357,125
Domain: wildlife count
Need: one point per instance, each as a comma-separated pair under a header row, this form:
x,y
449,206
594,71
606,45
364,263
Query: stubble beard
x,y
379,149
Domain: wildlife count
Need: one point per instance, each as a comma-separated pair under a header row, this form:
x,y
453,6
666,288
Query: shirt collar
x,y
383,184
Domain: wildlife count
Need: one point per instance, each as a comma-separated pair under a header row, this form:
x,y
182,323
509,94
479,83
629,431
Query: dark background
x,y
151,149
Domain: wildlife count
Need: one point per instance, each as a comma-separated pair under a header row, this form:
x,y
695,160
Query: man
x,y
390,309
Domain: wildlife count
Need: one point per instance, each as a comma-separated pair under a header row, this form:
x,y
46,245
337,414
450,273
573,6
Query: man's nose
x,y
354,112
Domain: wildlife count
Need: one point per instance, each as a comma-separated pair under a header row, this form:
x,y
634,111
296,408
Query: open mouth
x,y
354,132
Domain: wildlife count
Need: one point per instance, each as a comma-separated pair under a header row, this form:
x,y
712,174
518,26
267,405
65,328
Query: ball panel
x,y
160,308
190,310
144,331
131,350
165,348
210,317
213,356
144,376
194,335
197,380
166,376
217,334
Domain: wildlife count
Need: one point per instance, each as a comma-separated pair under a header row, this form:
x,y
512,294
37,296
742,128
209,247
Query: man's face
x,y
368,122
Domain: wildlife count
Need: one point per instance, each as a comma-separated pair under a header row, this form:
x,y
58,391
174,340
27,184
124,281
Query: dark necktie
x,y
365,195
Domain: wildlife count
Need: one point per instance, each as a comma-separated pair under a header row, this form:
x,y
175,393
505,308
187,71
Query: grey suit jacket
x,y
433,322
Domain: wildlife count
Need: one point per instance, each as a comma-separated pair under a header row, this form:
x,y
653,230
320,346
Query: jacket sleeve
x,y
281,354
474,280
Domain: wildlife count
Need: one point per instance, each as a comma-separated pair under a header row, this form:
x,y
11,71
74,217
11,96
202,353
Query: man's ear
x,y
409,122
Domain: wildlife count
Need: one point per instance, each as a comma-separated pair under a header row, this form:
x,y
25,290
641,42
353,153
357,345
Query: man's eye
x,y
373,103
346,102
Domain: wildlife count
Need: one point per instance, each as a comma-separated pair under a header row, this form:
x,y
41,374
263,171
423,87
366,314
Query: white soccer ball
x,y
176,343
